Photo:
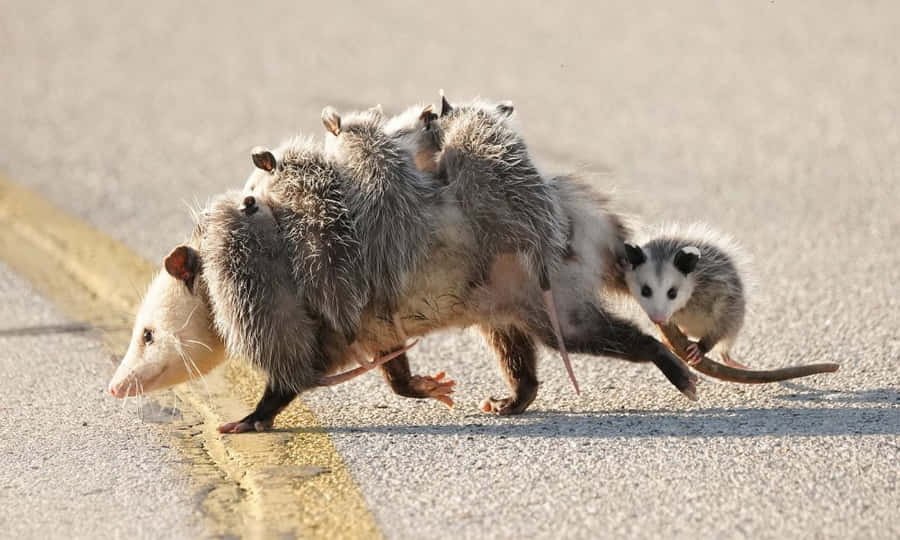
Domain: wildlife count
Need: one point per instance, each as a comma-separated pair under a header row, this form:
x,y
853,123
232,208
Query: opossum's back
x,y
439,291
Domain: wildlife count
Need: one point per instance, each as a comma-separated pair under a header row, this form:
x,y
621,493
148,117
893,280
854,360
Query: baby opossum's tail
x,y
680,342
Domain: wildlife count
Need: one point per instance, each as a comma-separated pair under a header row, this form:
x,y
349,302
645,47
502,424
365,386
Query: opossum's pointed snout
x,y
659,319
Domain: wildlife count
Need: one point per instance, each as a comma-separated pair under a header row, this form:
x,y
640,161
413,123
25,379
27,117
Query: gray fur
x,y
392,202
258,306
319,232
490,174
715,304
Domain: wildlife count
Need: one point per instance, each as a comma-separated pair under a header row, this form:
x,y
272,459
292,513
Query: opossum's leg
x,y
273,401
552,313
597,332
356,372
518,360
404,383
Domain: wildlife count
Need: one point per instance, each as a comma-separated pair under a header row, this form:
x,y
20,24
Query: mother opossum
x,y
174,332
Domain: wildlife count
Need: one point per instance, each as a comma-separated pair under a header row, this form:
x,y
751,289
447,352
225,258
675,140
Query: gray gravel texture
x,y
76,463
776,122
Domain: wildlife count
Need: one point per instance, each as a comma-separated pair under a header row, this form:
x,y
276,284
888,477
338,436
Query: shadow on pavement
x,y
818,395
705,423
73,328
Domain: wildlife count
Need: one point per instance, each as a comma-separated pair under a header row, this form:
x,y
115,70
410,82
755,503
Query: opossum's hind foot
x,y
506,406
729,361
434,387
364,367
550,305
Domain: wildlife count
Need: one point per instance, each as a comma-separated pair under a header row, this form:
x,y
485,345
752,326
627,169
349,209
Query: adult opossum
x,y
440,294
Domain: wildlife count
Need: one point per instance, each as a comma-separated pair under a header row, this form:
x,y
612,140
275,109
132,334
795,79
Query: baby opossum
x,y
320,230
692,278
392,201
513,209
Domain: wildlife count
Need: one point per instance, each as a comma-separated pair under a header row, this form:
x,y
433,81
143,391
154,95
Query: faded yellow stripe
x,y
291,482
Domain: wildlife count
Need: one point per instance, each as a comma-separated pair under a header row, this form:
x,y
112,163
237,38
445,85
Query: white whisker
x,y
188,320
204,345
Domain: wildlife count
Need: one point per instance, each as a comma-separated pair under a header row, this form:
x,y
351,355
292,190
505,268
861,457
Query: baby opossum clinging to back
x,y
389,196
321,231
513,209
692,278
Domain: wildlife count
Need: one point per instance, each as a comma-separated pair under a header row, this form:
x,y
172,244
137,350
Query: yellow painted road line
x,y
293,483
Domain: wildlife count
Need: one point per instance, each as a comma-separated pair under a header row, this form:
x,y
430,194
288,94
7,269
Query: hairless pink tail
x,y
554,320
353,373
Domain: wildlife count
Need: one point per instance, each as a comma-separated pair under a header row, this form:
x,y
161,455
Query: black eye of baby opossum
x,y
148,336
646,291
673,292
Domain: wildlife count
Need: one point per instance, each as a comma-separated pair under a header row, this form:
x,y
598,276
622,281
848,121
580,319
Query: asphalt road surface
x,y
775,122
77,464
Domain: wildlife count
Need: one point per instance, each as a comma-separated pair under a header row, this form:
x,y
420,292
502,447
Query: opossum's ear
x,y
446,108
686,259
506,108
634,255
183,264
428,116
331,120
263,158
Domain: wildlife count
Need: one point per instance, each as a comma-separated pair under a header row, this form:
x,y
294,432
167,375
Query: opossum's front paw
x,y
504,406
247,424
433,387
693,354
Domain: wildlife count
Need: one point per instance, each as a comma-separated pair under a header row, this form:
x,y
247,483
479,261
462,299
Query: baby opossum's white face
x,y
172,341
660,288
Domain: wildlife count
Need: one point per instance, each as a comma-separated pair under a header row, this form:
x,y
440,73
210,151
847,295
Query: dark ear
x,y
331,120
506,108
446,108
634,255
263,158
183,264
428,116
686,259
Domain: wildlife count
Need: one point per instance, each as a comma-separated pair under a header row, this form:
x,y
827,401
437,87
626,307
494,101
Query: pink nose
x,y
658,320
